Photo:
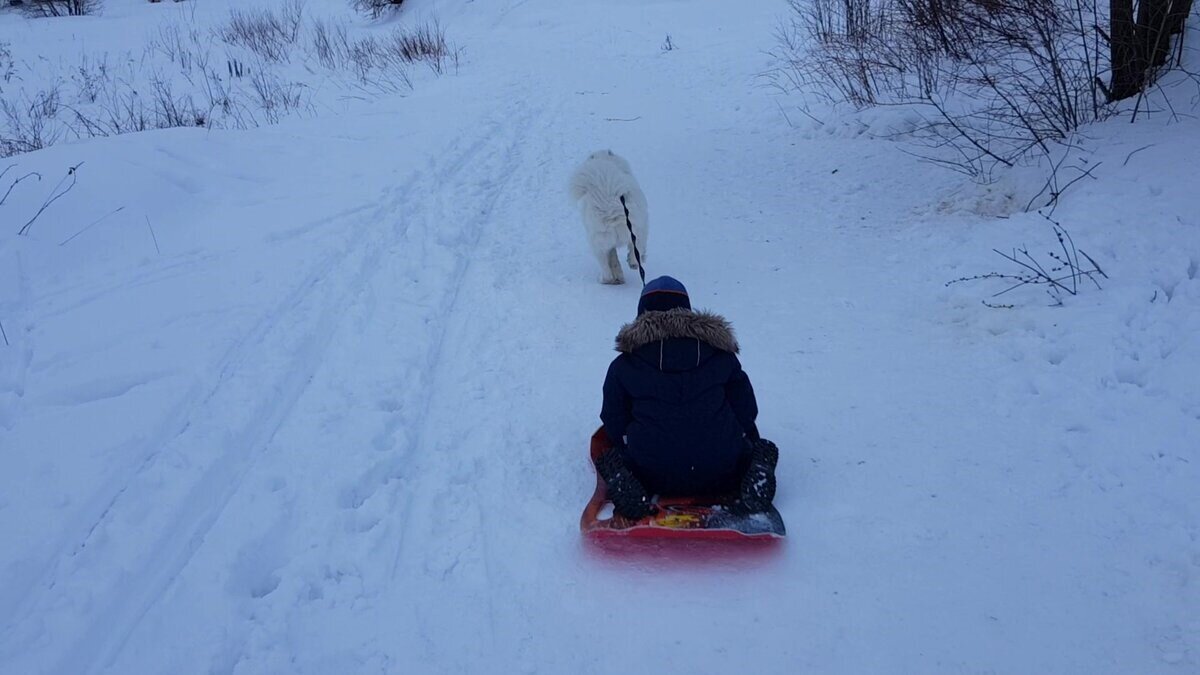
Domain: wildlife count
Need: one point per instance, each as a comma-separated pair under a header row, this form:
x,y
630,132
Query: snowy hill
x,y
314,397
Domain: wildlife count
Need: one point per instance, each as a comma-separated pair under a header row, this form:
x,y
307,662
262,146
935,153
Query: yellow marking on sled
x,y
680,520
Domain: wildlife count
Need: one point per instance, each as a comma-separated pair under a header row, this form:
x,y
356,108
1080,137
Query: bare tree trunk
x,y
1153,35
1128,72
1180,9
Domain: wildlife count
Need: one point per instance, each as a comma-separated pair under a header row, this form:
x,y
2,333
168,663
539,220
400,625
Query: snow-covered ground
x,y
316,399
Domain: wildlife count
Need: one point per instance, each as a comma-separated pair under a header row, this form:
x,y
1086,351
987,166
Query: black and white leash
x,y
637,255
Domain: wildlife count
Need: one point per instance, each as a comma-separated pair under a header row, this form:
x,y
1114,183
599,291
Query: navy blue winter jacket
x,y
677,403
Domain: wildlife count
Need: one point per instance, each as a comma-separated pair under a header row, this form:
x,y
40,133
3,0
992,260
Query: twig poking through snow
x,y
153,236
622,119
1130,155
1052,184
16,182
785,115
1058,193
1034,273
93,224
55,194
4,334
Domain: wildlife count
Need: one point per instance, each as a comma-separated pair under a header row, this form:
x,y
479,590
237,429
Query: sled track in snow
x,y
422,287
438,530
15,339
432,375
319,301
173,267
203,503
74,538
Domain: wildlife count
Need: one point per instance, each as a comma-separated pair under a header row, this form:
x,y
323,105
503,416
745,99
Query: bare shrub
x,y
994,80
375,8
174,110
274,96
222,102
425,43
90,78
49,8
30,122
108,103
267,33
123,111
8,67
381,63
365,58
1061,272
189,48
176,82
330,44
827,47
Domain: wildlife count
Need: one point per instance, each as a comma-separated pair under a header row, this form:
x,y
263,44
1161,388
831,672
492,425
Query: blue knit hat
x,y
662,294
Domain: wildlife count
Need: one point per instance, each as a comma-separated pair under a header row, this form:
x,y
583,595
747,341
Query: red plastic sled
x,y
691,518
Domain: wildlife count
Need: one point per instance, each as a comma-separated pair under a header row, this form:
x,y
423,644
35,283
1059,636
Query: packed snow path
x,y
340,424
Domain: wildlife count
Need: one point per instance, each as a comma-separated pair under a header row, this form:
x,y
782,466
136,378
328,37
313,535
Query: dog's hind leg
x,y
615,274
610,264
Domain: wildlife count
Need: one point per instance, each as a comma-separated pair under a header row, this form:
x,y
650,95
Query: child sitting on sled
x,y
679,410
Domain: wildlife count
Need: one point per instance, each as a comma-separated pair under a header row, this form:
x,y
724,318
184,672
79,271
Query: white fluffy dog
x,y
598,185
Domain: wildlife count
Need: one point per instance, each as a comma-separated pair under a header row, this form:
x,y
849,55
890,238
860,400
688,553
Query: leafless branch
x,y
55,195
1130,155
153,236
16,182
91,225
1063,276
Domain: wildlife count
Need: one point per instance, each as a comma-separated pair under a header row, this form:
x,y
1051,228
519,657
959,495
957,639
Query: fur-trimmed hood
x,y
711,329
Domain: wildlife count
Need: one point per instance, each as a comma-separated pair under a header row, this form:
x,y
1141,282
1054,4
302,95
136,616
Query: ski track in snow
x,y
200,509
313,311
14,371
413,468
197,509
433,416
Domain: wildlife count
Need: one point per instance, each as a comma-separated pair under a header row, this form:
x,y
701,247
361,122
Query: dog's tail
x,y
603,197
578,190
